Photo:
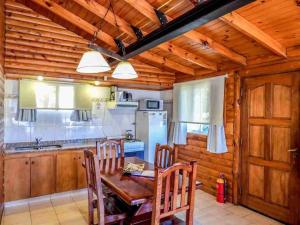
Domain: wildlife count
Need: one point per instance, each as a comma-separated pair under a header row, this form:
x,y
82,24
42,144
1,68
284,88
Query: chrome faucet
x,y
38,141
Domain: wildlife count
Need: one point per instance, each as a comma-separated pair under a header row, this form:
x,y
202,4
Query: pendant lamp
x,y
124,70
92,62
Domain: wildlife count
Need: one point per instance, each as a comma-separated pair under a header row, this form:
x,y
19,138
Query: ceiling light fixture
x,y
93,61
40,78
124,70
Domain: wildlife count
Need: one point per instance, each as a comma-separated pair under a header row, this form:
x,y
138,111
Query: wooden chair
x,y
169,183
107,212
165,156
110,149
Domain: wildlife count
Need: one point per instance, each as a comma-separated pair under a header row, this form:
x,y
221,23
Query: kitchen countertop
x,y
64,147
68,146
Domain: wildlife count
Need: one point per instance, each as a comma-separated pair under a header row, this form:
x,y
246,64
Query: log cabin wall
x,y
211,165
2,29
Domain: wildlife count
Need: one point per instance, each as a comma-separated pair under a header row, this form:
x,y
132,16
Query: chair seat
x,y
172,220
114,211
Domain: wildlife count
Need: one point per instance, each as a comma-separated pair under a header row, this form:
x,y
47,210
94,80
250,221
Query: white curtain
x,y
177,133
81,115
200,101
216,141
26,115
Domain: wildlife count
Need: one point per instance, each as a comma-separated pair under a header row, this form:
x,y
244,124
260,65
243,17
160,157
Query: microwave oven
x,y
150,104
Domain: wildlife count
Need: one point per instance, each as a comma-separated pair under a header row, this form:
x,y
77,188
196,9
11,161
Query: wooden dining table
x,y
136,191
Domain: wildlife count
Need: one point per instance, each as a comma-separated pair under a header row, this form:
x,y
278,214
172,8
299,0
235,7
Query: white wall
x,y
55,125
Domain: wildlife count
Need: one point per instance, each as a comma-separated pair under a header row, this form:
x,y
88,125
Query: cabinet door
x,y
17,179
81,171
42,175
66,171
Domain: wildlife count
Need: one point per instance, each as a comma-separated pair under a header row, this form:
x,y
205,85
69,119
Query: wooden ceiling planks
x,y
244,26
214,48
125,27
57,53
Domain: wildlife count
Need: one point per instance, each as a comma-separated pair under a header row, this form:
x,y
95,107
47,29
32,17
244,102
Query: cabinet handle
x,y
32,162
26,163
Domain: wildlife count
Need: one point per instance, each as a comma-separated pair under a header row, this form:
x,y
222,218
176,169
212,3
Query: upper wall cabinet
x,y
52,95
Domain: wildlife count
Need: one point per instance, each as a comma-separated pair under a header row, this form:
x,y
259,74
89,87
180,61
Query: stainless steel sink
x,y
37,147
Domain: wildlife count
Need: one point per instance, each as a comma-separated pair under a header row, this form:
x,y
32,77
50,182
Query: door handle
x,y
293,150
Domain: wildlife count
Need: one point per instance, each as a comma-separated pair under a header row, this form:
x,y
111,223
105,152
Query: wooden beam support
x,y
104,37
192,19
124,26
148,11
249,29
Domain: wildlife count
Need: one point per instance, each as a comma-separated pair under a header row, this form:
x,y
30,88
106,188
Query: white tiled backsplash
x,y
54,125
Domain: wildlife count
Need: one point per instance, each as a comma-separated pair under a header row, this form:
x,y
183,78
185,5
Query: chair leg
x,y
90,208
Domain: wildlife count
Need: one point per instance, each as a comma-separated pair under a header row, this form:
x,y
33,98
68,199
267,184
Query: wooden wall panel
x,y
2,29
211,165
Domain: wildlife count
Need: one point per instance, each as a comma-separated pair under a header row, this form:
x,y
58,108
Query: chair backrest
x,y
94,184
110,149
177,180
165,156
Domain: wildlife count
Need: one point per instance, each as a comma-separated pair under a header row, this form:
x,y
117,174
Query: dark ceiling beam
x,y
145,8
199,15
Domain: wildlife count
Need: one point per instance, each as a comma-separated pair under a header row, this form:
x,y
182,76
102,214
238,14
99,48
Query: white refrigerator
x,y
151,128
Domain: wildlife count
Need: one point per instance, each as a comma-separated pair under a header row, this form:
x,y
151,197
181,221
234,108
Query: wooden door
x,y
42,175
270,125
66,171
17,179
81,177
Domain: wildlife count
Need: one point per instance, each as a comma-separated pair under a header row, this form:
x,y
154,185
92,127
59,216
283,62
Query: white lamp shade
x,y
92,62
124,70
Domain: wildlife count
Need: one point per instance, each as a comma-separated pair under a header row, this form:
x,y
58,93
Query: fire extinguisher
x,y
221,189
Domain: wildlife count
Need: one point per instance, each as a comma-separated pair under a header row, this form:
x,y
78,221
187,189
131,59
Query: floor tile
x,y
70,208
17,219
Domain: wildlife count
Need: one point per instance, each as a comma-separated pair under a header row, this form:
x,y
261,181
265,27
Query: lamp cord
x,y
117,25
100,25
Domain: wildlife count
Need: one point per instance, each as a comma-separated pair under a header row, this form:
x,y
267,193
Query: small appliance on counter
x,y
128,135
123,96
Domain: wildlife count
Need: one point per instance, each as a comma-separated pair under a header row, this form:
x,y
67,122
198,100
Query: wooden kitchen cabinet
x,y
42,175
36,174
17,179
29,176
70,174
81,176
66,171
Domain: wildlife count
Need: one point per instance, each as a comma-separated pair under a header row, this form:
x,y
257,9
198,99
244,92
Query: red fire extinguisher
x,y
221,189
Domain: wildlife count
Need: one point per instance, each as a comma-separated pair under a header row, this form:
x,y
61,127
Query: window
x,y
192,105
54,96
66,97
197,128
199,103
45,96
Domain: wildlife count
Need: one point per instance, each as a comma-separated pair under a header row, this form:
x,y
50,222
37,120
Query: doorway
x,y
270,133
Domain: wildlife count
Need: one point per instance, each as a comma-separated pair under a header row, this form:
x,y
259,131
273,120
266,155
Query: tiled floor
x,y
71,209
